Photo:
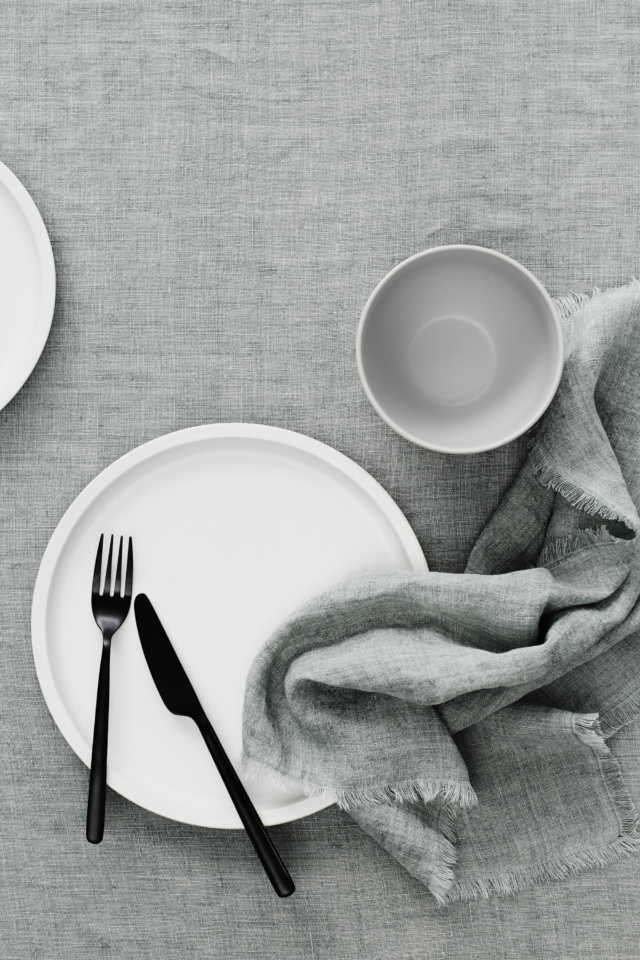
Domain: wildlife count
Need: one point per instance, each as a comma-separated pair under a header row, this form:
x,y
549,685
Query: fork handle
x,y
98,775
269,857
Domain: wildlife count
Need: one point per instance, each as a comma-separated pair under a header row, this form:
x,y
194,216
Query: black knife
x,y
180,698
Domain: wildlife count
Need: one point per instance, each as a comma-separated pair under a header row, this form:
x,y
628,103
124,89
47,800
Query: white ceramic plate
x,y
234,526
27,285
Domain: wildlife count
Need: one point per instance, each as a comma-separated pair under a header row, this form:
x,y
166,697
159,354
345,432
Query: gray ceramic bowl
x,y
460,349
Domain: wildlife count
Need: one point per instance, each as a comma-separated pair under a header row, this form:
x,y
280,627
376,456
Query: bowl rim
x,y
514,434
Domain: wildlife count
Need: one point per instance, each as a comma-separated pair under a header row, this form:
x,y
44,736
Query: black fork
x,y
110,612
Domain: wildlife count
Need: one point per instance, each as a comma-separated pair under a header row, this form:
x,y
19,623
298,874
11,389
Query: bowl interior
x,y
460,349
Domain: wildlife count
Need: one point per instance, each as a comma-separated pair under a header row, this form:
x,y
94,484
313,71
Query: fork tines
x,y
117,584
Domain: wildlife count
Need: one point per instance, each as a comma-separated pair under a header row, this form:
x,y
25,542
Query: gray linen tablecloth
x,y
223,185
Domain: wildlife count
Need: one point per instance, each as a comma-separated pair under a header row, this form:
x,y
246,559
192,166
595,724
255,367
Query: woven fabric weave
x,y
461,718
224,184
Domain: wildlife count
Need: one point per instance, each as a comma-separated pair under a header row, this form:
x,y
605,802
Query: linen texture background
x,y
223,186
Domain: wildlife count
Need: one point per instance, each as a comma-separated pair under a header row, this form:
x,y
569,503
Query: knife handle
x,y
98,775
263,845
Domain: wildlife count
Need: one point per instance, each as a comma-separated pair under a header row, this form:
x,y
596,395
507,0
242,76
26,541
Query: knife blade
x,y
180,698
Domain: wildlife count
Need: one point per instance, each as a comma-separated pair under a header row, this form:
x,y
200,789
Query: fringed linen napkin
x,y
461,718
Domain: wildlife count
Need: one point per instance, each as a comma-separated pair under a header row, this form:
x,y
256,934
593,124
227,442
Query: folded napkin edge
x,y
587,728
451,792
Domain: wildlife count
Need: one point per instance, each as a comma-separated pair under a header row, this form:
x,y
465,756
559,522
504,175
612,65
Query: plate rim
x,y
118,468
44,319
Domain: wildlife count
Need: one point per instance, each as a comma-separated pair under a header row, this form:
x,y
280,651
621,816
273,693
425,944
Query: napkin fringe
x,y
566,546
508,884
408,791
576,301
619,716
443,875
547,475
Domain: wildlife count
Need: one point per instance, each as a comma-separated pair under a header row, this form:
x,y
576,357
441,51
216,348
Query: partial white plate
x,y
234,526
27,285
